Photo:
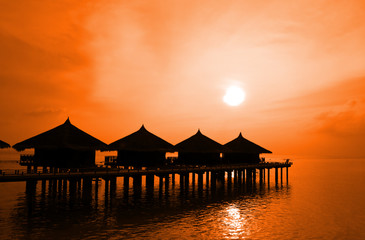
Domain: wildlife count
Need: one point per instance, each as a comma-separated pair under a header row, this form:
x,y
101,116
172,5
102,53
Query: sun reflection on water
x,y
234,223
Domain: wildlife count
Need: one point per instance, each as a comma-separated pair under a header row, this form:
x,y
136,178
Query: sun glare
x,y
234,96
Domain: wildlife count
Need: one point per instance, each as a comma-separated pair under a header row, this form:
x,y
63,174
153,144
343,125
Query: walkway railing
x,y
110,160
26,159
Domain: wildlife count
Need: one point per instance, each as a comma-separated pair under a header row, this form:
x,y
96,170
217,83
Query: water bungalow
x,y
199,150
68,147
139,149
64,146
4,144
241,150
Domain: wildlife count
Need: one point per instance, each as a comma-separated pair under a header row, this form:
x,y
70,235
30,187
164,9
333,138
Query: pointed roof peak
x,y
63,136
67,121
243,145
141,140
199,143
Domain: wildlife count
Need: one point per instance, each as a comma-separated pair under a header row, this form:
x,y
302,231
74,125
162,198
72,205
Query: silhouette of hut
x,y
241,150
141,149
4,144
64,146
199,150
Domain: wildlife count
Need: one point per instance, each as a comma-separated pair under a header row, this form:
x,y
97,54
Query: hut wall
x,y
189,158
241,158
141,159
64,158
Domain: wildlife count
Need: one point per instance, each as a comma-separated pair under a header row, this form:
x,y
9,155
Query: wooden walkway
x,y
116,172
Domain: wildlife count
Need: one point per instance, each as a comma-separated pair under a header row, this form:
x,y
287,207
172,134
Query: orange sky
x,y
113,65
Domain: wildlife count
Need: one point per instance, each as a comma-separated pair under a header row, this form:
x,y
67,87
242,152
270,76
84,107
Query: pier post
x,y
244,177
207,179
86,189
60,186
44,182
229,178
96,187
150,179
64,187
239,177
281,176
86,183
150,182
213,180
126,182
254,178
30,186
221,176
50,186
261,176
54,186
126,186
106,180
268,177
167,182
248,176
160,183
254,175
200,181
173,179
181,181
186,180
106,191
193,182
78,184
276,176
287,175
113,185
72,188
137,185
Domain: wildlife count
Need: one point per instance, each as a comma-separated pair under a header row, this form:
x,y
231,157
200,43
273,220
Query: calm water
x,y
323,200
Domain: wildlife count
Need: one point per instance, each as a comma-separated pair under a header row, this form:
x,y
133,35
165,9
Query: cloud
x,y
44,65
346,123
45,111
338,93
46,72
337,110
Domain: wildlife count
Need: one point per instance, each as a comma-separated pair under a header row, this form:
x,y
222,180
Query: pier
x,y
241,172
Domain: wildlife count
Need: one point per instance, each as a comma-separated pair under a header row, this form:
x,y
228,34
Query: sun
x,y
234,96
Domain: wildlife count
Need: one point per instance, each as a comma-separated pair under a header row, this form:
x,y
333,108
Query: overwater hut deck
x,y
241,150
140,149
4,144
64,146
199,150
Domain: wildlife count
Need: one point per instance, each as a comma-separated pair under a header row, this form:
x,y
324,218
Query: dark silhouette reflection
x,y
91,207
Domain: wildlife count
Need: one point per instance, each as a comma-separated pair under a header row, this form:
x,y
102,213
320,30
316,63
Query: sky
x,y
112,66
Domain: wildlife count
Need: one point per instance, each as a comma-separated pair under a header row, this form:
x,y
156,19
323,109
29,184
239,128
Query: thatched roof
x,y
4,144
242,145
63,136
141,140
199,143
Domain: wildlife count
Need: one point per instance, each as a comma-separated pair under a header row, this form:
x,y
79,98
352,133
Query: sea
x,y
323,199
